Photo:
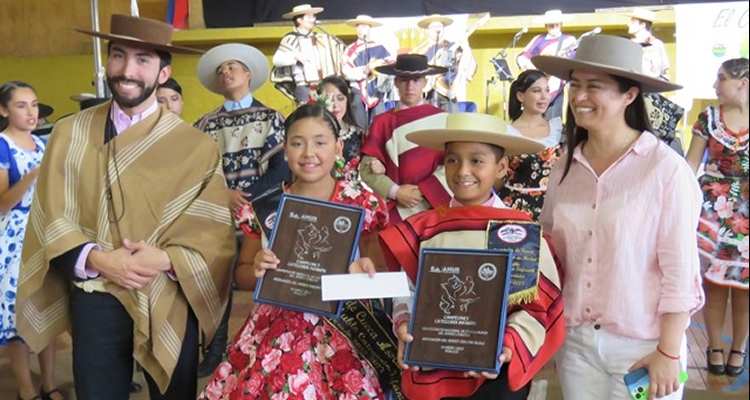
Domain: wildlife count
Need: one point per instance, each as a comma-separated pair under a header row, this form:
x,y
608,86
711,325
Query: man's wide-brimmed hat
x,y
552,17
363,20
643,14
79,97
141,32
45,110
424,23
472,127
608,54
411,65
251,57
302,9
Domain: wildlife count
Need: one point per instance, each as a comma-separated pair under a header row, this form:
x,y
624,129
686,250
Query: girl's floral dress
x,y
526,182
723,227
281,354
13,227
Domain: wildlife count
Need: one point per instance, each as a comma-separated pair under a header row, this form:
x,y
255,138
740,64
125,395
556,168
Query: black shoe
x,y
135,387
734,370
716,369
47,395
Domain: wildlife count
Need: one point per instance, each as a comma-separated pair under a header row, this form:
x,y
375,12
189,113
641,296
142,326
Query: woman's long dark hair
x,y
521,85
343,86
6,93
312,110
636,117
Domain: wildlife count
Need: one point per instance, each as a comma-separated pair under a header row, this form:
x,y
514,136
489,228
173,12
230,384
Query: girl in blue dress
x,y
20,156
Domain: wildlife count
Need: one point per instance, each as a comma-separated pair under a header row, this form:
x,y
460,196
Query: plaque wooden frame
x,y
311,238
449,336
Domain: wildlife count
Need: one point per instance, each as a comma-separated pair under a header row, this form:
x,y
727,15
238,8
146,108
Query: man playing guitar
x,y
446,89
553,43
360,60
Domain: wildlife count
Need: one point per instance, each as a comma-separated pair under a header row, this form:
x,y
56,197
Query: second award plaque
x,y
459,313
311,238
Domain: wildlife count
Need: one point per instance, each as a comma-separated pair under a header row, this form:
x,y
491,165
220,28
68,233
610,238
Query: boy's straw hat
x,y
471,127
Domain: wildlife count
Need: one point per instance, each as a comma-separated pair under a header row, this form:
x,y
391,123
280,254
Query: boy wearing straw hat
x,y
112,253
476,147
361,58
554,43
305,57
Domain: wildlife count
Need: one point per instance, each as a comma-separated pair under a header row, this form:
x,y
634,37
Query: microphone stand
x,y
503,73
365,86
487,84
434,100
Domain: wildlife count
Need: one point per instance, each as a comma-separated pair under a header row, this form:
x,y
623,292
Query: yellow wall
x,y
59,76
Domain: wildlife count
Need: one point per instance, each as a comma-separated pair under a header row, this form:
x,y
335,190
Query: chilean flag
x,y
177,13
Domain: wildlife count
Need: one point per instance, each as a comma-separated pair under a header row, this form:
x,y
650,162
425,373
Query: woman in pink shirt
x,y
621,211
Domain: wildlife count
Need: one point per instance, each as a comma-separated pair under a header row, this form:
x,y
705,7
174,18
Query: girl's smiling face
x,y
311,149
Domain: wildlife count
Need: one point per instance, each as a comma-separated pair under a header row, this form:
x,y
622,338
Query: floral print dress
x,y
526,182
353,137
723,227
13,227
281,354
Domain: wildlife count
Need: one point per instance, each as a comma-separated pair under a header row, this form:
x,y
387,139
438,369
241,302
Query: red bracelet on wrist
x,y
669,356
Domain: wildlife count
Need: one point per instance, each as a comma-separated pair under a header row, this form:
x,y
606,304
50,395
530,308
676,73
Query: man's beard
x,y
146,91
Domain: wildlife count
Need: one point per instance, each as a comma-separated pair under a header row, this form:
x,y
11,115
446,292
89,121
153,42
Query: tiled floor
x,y
701,385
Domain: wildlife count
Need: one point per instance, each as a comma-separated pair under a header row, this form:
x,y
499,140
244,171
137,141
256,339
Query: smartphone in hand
x,y
637,382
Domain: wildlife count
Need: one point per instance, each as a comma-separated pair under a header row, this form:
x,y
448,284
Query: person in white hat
x,y
305,57
444,90
621,209
361,58
553,43
251,138
128,275
655,59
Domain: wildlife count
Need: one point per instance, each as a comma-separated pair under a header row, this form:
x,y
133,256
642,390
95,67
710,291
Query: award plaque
x,y
459,312
311,238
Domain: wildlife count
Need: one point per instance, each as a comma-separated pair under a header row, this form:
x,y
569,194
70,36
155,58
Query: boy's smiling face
x,y
471,169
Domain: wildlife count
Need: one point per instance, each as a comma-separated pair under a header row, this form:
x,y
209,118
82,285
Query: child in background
x,y
476,149
20,156
169,96
284,352
723,227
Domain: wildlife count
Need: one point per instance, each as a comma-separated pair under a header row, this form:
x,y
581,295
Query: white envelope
x,y
360,286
